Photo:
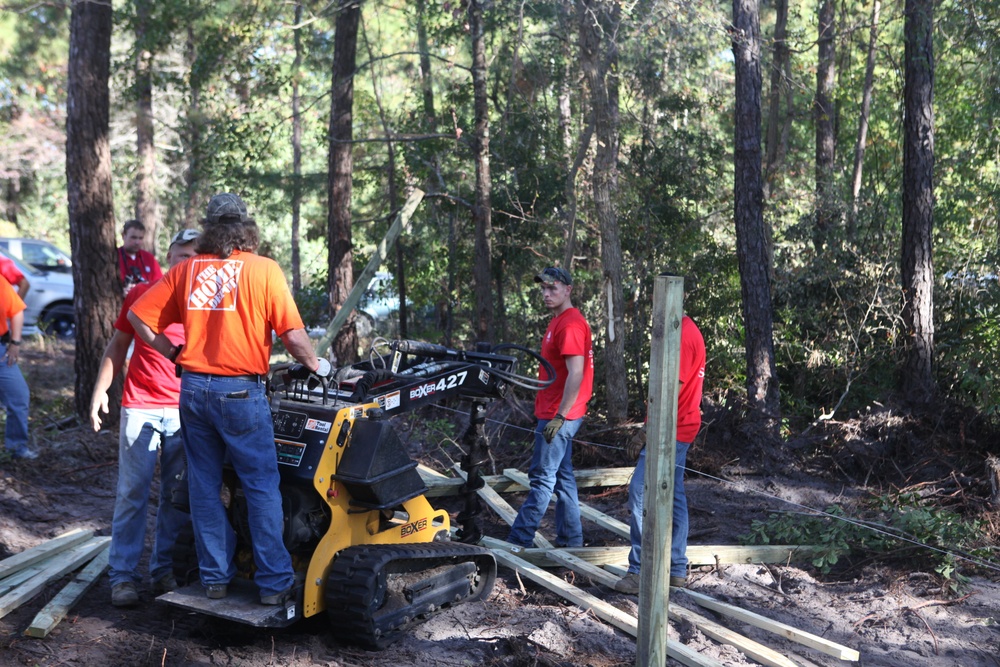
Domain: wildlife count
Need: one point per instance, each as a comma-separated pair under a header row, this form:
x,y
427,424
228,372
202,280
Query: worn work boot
x,y
278,598
216,591
629,584
124,595
164,584
678,582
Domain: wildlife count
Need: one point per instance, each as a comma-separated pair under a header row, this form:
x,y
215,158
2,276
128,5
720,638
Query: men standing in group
x,y
560,408
14,393
691,379
135,264
229,301
150,421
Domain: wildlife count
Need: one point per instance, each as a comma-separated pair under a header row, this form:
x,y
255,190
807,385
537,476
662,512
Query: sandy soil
x,y
893,616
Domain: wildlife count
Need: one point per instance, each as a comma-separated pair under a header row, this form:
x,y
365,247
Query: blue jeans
x,y
14,396
551,471
229,419
679,534
142,432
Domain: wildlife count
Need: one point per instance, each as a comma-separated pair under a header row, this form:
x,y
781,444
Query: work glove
x,y
635,444
553,427
302,372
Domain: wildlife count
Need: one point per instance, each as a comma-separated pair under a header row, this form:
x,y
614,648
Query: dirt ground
x,y
891,614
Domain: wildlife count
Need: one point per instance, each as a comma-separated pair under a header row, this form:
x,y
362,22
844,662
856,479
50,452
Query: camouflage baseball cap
x,y
554,274
226,205
184,237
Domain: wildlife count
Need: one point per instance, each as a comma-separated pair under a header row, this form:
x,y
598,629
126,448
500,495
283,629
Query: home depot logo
x,y
214,286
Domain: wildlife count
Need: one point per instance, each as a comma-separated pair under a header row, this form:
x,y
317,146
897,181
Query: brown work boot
x,y
678,582
164,584
629,584
124,595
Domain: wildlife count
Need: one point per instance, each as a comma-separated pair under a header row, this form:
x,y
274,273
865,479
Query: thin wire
x,y
903,538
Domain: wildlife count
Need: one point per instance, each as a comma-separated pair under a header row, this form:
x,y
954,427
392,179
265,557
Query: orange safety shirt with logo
x,y
229,309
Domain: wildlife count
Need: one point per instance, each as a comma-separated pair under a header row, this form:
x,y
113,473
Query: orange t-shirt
x,y
229,309
10,304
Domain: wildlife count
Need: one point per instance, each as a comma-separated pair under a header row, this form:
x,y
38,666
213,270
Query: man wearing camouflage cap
x,y
560,409
230,300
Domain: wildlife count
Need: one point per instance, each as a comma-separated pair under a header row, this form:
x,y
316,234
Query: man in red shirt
x,y
691,381
135,264
9,270
560,408
14,394
150,423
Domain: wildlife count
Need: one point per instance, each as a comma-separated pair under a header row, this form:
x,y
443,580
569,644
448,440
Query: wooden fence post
x,y
661,450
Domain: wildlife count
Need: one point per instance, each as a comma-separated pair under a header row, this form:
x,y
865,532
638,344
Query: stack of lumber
x,y
605,565
23,576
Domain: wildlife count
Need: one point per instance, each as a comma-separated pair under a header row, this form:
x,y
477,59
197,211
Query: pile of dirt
x,y
892,615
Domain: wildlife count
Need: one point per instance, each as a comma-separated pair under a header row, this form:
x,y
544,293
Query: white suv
x,y
40,254
50,301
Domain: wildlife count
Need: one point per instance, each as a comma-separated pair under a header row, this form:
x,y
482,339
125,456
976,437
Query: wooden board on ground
x,y
750,648
806,639
503,509
601,609
586,511
55,568
449,486
58,607
28,557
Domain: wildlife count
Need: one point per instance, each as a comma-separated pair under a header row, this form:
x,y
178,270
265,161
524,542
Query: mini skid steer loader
x,y
368,548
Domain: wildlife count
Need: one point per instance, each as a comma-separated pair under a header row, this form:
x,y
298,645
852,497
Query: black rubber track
x,y
356,585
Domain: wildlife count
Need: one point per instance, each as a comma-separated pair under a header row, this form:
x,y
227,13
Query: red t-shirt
x,y
10,304
143,264
9,270
568,335
692,379
229,309
151,381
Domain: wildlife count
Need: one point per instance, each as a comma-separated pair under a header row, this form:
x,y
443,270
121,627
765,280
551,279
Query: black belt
x,y
248,378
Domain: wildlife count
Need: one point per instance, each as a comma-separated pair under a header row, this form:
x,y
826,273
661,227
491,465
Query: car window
x,y
37,253
23,267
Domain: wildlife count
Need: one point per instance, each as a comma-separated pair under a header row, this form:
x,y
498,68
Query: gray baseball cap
x,y
226,205
184,237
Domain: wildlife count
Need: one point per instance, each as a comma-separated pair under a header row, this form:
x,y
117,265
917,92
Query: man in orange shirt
x,y
229,301
9,270
14,392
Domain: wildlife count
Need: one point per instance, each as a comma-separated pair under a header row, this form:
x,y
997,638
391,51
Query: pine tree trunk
x,y
918,202
599,22
481,211
823,113
296,155
751,246
866,106
91,204
145,180
775,146
341,262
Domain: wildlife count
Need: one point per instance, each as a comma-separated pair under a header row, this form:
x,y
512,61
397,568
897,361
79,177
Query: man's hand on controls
x,y
550,429
302,372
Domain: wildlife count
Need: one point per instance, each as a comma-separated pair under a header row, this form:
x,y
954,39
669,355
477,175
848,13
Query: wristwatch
x,y
13,342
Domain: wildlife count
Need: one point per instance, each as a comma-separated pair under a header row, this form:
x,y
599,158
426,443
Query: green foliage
x,y
900,527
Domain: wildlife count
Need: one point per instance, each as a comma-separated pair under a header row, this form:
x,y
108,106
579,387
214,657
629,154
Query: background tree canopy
x,y
224,78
